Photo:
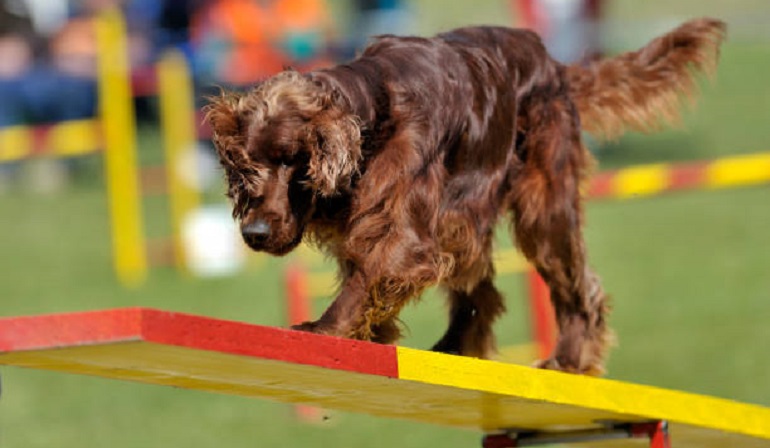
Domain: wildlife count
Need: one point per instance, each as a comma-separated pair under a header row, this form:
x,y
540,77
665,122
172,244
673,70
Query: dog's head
x,y
282,144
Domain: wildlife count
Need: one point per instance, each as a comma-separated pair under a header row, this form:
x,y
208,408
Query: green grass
x,y
688,273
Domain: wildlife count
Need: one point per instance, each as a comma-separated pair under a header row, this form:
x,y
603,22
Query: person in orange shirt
x,y
569,28
306,32
235,42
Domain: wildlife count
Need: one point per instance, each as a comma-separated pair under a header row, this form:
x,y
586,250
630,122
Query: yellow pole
x,y
117,111
177,111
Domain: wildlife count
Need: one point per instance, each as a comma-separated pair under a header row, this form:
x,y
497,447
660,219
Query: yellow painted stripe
x,y
77,137
510,261
740,170
15,143
641,180
565,395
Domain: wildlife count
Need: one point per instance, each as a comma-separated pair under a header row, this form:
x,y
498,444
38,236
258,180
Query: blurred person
x,y
47,15
235,42
376,17
66,83
305,31
175,19
569,28
16,60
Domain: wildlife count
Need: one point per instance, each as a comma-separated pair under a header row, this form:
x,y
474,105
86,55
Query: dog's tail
x,y
644,90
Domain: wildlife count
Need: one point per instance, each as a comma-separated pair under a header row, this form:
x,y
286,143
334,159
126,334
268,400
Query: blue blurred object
x,y
303,46
45,95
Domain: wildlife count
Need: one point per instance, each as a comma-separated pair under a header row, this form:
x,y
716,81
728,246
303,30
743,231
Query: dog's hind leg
x,y
547,218
471,316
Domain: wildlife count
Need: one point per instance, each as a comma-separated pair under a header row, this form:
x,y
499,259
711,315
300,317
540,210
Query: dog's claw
x,y
309,327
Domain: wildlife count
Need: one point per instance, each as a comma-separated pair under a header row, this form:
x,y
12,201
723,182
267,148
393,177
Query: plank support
x,y
656,432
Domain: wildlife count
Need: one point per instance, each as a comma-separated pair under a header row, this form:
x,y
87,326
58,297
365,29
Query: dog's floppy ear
x,y
222,113
334,141
227,114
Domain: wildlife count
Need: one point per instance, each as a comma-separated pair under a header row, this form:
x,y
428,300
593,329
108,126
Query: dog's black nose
x,y
257,229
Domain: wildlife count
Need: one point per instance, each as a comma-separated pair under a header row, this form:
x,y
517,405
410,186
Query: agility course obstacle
x,y
512,405
113,132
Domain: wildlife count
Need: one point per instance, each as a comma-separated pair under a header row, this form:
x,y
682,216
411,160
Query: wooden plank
x,y
194,352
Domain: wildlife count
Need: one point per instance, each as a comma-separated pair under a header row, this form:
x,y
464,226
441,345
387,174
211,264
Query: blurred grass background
x,y
689,274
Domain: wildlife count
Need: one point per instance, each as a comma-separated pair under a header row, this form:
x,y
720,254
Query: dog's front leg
x,y
359,312
343,316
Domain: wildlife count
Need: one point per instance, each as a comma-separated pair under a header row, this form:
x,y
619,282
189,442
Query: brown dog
x,y
400,164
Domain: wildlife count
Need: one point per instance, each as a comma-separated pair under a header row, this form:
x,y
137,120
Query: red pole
x,y
542,317
297,295
298,311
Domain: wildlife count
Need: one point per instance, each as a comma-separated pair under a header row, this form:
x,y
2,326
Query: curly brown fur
x,y
401,163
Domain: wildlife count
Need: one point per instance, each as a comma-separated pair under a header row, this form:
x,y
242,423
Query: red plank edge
x,y
54,331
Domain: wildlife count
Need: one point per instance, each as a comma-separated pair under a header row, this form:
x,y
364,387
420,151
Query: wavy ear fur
x,y
229,134
222,114
334,142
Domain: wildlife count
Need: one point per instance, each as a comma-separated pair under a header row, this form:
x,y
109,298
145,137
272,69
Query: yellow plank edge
x,y
504,391
217,372
739,170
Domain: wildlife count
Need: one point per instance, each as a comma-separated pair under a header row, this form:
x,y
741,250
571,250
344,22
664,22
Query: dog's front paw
x,y
309,327
554,364
548,364
444,346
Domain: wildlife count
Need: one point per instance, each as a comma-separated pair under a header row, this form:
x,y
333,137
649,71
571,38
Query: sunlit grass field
x,y
689,274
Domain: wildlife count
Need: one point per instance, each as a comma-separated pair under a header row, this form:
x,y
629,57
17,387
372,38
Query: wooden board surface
x,y
194,352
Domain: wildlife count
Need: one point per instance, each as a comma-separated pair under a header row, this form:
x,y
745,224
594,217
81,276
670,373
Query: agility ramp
x,y
513,405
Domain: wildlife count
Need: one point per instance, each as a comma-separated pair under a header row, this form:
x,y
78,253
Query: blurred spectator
x,y
47,74
237,42
376,17
63,87
16,59
570,28
234,42
305,31
175,18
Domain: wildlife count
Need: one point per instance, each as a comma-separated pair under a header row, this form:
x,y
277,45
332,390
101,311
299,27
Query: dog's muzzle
x,y
258,230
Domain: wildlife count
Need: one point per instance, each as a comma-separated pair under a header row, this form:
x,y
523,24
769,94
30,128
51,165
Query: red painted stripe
x,y
69,329
195,332
688,176
269,343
